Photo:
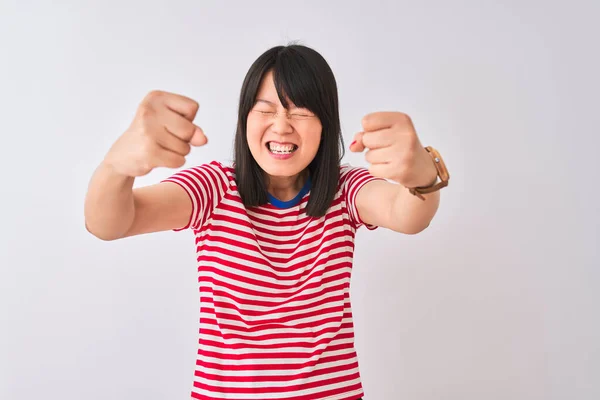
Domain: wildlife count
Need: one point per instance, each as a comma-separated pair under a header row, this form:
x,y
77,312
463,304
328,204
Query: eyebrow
x,y
265,101
293,106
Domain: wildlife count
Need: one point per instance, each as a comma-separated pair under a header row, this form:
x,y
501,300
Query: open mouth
x,y
278,148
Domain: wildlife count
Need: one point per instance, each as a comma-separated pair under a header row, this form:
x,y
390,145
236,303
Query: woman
x,y
275,231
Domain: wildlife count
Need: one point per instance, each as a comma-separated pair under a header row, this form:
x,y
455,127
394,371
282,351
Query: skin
x,y
163,133
269,121
394,152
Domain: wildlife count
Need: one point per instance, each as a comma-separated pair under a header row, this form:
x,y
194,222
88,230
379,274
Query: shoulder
x,y
225,169
212,173
219,169
349,174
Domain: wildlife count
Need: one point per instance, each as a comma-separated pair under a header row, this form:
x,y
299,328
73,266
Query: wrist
x,y
428,175
112,174
441,172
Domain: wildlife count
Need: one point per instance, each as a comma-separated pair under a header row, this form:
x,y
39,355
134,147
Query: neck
x,y
286,188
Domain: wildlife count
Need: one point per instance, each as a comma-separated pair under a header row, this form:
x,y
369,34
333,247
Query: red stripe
x,y
279,294
291,388
277,378
264,327
271,336
279,367
265,246
314,261
265,303
266,321
277,310
246,346
231,233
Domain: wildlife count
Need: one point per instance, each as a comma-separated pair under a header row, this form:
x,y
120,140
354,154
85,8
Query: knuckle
x,y
194,105
153,95
151,99
367,119
405,118
146,111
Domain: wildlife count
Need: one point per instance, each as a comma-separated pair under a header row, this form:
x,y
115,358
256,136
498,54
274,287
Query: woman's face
x,y
283,142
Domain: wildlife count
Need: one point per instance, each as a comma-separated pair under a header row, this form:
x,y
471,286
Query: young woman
x,y
274,232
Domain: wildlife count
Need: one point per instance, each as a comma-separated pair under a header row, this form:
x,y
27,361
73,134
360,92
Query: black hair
x,y
303,76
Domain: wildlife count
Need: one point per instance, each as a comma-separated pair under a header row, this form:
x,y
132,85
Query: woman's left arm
x,y
395,153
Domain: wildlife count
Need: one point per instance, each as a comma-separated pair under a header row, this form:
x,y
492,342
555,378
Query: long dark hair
x,y
302,75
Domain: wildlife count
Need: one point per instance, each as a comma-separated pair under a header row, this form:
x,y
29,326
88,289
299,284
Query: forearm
x,y
109,206
410,214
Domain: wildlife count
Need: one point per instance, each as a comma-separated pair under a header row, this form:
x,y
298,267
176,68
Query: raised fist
x,y
159,136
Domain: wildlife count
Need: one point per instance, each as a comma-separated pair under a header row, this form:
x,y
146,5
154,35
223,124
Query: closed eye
x,y
294,116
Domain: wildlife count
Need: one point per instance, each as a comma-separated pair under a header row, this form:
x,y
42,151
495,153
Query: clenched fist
x,y
394,149
159,136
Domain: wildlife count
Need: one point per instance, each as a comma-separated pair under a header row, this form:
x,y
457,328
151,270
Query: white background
x,y
498,299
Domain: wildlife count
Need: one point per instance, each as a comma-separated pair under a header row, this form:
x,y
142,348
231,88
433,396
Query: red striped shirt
x,y
275,313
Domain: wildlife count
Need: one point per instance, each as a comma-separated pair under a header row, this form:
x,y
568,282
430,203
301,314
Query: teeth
x,y
283,149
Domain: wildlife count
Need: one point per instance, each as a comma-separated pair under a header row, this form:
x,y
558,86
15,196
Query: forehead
x,y
268,92
267,86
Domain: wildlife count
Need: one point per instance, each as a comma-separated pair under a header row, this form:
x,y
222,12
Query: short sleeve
x,y
353,179
206,185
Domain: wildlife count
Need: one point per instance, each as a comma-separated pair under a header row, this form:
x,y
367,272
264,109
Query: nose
x,y
281,124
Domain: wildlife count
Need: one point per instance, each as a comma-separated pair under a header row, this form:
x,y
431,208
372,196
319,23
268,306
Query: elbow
x,y
415,232
414,229
104,236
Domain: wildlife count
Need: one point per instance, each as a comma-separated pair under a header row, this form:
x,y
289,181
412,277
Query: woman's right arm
x,y
160,136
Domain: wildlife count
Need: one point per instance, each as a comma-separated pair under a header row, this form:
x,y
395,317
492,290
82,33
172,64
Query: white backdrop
x,y
498,299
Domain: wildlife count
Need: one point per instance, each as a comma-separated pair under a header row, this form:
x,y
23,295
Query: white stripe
x,y
290,265
239,324
273,331
273,308
229,313
310,272
275,360
276,372
278,396
289,289
276,384
311,239
275,351
267,342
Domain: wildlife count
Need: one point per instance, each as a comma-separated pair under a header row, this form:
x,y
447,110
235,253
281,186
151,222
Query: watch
x,y
442,174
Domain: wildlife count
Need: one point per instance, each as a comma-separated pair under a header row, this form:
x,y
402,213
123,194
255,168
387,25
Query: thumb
x,y
199,138
357,145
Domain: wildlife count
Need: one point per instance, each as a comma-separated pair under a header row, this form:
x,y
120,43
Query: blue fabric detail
x,y
293,202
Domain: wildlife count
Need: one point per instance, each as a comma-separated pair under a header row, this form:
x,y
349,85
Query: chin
x,y
281,170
